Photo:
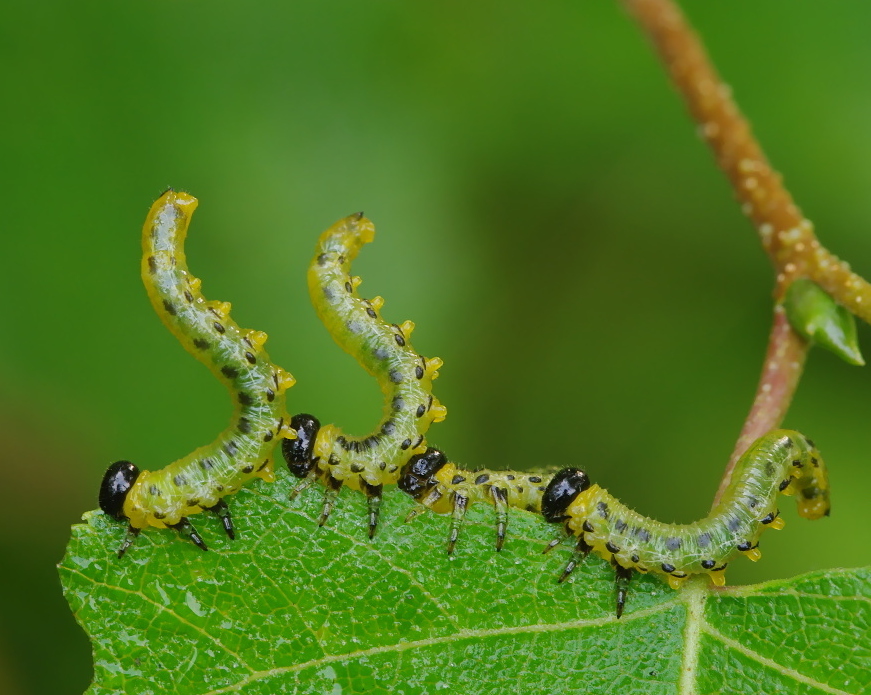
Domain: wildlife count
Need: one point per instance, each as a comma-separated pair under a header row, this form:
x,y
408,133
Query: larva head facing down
x,y
416,478
561,492
298,452
117,482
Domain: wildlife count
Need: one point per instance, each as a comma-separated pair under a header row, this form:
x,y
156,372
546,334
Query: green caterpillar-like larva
x,y
197,482
781,461
326,453
441,486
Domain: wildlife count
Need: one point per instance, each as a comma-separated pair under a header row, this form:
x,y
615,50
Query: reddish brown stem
x,y
786,235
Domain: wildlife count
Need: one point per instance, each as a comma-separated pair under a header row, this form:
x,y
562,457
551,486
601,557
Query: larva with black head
x,y
438,484
782,461
384,350
167,497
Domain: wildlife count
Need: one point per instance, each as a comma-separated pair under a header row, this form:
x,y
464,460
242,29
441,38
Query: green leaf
x,y
293,608
817,317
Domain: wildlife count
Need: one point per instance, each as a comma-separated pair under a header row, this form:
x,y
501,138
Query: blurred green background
x,y
545,213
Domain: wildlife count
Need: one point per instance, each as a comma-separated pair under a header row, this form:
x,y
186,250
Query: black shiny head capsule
x,y
298,452
416,475
561,492
117,482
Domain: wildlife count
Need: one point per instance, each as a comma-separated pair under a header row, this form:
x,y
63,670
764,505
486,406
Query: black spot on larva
x,y
395,376
388,428
602,508
268,436
380,353
247,341
509,477
400,341
341,259
169,306
245,398
429,402
219,327
398,403
784,484
797,463
418,372
744,546
643,534
481,479
679,575
672,543
534,479
244,425
357,468
810,443
372,313
249,468
342,442
768,518
620,525
588,527
421,409
611,548
405,444
815,462
152,265
667,568
270,395
179,480
154,490
219,488
263,465
708,564
457,479
206,464
159,515
192,503
635,558
734,523
188,297
371,441
770,468
250,357
703,540
229,372
752,502
231,448
348,287
328,294
201,344
322,259
721,567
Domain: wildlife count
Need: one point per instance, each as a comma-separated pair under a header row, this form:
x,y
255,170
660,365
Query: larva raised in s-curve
x,y
436,483
167,497
326,453
781,461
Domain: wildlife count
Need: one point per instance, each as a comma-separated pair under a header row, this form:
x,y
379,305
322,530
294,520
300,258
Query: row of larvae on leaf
x,y
396,453
166,498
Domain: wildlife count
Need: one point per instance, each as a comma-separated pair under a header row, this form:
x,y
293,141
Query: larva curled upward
x,y
437,483
197,482
326,453
781,461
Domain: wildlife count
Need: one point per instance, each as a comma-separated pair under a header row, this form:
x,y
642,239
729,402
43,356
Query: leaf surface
x,y
293,608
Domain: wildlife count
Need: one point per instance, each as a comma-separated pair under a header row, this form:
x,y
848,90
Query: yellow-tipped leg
x,y
754,554
777,524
